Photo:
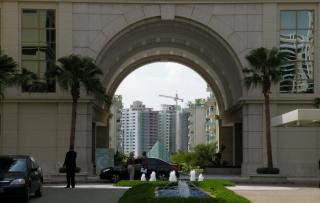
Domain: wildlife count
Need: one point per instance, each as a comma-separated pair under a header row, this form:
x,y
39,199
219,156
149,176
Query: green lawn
x,y
144,192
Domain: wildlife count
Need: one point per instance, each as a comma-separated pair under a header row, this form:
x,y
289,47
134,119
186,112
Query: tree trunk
x,y
73,124
268,132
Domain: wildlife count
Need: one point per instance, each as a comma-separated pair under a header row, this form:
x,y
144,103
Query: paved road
x,y
85,193
278,194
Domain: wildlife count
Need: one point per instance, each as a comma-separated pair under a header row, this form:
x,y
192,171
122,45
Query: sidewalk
x,y
278,194
61,179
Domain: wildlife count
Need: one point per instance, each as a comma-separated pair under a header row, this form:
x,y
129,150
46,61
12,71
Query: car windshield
x,y
8,164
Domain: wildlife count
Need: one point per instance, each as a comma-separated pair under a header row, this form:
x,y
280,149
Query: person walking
x,y
131,165
70,165
144,163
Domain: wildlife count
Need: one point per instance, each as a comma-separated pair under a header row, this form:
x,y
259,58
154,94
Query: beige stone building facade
x,y
210,36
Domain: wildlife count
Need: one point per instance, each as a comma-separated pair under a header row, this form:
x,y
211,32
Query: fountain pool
x,y
182,190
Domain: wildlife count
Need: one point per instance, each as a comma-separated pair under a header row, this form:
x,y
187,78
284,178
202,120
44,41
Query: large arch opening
x,y
164,105
188,43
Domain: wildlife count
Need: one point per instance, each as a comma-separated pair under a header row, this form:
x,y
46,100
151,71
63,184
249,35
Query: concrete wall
x,y
42,130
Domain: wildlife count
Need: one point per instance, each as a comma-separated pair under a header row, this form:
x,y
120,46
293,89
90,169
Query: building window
x,y
38,43
297,40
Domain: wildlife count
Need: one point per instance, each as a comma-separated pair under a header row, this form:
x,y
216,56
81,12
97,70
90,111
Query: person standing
x,y
70,165
144,163
131,165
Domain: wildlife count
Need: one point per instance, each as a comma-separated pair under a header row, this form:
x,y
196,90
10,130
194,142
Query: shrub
x,y
201,156
265,170
119,158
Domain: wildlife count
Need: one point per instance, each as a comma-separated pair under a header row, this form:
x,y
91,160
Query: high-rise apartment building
x,y
129,127
115,135
167,126
212,123
197,121
149,129
139,128
182,130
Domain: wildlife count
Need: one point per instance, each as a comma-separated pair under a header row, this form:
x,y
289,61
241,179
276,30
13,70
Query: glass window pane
x,y
43,36
304,71
42,19
303,86
305,52
305,19
304,36
38,41
30,36
29,53
31,66
288,35
42,53
42,68
288,19
50,19
30,19
290,50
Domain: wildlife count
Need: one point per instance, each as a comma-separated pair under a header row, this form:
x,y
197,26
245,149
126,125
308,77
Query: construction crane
x,y
176,98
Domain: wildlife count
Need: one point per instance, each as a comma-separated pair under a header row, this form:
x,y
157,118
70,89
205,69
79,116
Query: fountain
x,y
172,177
143,177
183,189
200,178
193,175
153,176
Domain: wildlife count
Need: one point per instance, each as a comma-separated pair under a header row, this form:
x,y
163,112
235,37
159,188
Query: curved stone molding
x,y
240,25
211,56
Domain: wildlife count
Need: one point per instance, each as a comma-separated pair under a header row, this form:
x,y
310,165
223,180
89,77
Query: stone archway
x,y
181,41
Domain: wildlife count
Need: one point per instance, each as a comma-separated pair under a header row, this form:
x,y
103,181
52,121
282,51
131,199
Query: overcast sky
x,y
166,78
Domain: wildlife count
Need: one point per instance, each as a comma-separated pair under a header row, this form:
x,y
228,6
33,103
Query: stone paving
x,y
107,193
83,193
278,194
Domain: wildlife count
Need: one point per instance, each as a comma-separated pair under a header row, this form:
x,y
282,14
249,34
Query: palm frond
x,y
265,67
74,71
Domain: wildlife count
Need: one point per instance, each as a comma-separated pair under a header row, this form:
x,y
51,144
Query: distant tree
x,y
74,72
201,156
265,70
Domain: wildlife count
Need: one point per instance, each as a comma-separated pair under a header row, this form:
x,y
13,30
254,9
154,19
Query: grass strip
x,y
144,192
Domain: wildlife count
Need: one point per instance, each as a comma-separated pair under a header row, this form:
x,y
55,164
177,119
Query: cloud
x,y
167,78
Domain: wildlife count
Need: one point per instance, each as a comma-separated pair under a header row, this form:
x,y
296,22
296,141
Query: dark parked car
x,y
20,176
120,172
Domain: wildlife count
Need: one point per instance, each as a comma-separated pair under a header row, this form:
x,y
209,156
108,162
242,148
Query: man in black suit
x,y
70,165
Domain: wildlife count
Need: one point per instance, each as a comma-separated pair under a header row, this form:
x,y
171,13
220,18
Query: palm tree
x,y
73,73
265,71
10,75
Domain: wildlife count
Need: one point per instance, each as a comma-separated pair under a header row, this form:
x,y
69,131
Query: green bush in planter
x,y
266,170
64,170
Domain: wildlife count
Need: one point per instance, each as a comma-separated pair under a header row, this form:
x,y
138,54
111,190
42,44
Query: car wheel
x,y
162,176
115,178
26,197
38,193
